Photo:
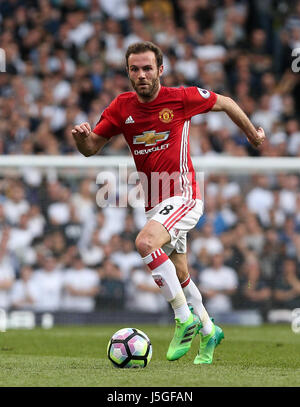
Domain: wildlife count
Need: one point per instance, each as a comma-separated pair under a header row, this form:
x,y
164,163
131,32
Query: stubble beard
x,y
146,94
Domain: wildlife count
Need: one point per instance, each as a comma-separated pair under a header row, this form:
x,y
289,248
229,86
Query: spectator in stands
x,y
293,132
112,290
130,230
209,51
127,258
276,216
20,234
215,215
288,190
233,13
36,221
290,237
59,212
254,290
271,254
24,292
260,199
16,203
84,201
206,240
81,285
147,297
260,57
7,273
114,219
200,261
74,232
286,292
187,65
58,74
234,246
297,213
58,246
49,282
93,253
104,234
20,241
218,283
254,237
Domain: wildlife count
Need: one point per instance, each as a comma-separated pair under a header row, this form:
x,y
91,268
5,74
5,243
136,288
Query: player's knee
x,y
144,244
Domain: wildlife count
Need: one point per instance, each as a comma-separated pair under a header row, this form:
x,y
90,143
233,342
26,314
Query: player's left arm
x,y
225,104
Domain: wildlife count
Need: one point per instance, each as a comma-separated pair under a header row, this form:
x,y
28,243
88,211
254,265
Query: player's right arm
x,y
255,136
87,142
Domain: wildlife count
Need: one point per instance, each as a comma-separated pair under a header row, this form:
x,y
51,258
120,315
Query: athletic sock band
x,y
186,282
194,297
164,275
155,259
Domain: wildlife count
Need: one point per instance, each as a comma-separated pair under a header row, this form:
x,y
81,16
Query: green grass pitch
x,y
75,356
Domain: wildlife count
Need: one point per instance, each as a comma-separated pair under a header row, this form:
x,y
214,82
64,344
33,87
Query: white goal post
x,y
218,164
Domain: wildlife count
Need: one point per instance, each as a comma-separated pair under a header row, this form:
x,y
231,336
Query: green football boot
x,y
208,343
183,337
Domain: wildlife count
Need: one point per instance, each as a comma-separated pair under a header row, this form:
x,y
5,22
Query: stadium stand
x,y
64,64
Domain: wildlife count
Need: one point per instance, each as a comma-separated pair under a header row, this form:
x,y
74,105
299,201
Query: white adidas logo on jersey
x,y
129,120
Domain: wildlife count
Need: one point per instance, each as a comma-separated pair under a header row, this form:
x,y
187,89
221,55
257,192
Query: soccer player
x,y
155,122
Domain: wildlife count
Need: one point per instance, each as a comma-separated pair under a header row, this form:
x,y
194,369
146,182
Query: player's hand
x,y
82,130
259,139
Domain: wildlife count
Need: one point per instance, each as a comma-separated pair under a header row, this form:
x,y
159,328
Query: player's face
x,y
144,74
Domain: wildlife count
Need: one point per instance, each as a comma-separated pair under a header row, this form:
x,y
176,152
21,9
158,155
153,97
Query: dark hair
x,y
140,47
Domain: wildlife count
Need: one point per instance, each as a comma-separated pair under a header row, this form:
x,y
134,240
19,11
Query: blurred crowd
x,y
64,64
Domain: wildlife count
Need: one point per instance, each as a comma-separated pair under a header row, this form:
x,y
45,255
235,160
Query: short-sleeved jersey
x,y
157,134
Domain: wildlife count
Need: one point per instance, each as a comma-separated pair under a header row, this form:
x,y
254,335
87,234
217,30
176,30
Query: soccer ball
x,y
129,348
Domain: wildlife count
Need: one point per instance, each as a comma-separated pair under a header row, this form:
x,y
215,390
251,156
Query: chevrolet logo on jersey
x,y
150,138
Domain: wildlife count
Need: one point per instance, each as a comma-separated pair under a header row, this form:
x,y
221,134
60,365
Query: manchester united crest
x,y
166,115
159,281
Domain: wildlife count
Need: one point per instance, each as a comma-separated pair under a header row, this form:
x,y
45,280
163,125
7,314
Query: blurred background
x,y
60,252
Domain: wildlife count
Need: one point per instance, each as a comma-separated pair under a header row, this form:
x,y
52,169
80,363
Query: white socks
x,y
164,274
194,297
178,295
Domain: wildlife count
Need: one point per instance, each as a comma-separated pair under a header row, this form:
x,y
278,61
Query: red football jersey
x,y
157,133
